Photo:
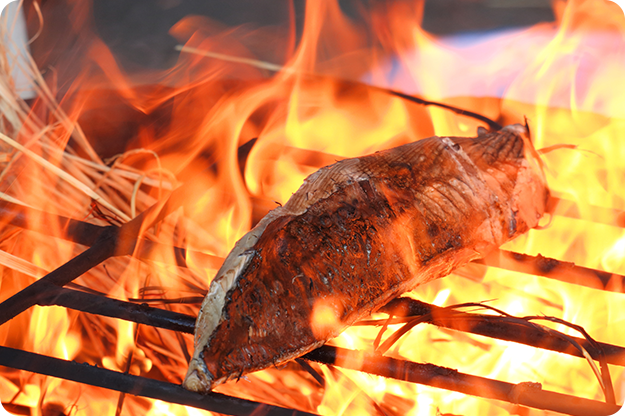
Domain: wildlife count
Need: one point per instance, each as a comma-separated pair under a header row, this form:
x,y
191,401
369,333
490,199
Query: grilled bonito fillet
x,y
357,234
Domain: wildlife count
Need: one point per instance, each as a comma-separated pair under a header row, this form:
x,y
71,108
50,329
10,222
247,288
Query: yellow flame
x,y
326,317
567,78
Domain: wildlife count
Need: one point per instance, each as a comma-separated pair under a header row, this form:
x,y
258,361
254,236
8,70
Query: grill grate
x,y
106,242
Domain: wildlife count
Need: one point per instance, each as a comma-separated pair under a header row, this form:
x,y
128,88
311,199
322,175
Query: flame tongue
x,y
565,77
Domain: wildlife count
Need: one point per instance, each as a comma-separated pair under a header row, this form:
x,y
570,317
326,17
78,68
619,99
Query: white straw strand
x,y
65,176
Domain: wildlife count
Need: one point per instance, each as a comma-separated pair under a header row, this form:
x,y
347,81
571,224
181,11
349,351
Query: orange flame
x,y
326,317
199,117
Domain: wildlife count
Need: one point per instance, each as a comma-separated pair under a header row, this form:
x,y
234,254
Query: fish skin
x,y
357,234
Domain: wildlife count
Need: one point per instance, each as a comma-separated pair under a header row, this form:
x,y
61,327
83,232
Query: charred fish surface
x,y
357,234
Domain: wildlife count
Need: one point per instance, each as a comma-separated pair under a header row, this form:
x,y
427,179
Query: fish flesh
x,y
357,234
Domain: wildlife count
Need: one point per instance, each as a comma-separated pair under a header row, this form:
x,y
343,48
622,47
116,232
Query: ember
x,y
107,251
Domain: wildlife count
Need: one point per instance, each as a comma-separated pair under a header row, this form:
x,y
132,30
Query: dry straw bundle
x,y
48,165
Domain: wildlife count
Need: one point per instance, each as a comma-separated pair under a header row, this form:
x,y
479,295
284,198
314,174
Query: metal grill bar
x,y
486,325
137,386
113,241
525,394
105,306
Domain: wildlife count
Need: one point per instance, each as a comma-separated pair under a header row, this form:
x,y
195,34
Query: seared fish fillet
x,y
357,234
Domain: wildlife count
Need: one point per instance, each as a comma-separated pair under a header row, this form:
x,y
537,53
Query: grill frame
x,y
107,242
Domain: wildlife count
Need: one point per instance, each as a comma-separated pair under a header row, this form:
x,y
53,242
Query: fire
x,y
262,127
326,316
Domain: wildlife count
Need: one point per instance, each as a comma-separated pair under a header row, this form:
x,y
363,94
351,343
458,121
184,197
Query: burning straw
x,y
48,167
56,184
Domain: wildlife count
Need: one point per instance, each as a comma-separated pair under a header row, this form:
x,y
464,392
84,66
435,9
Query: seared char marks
x,y
357,234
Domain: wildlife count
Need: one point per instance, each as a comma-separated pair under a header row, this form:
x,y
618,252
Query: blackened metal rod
x,y
77,231
104,306
554,269
101,250
525,394
111,241
500,327
86,234
593,213
135,385
486,325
